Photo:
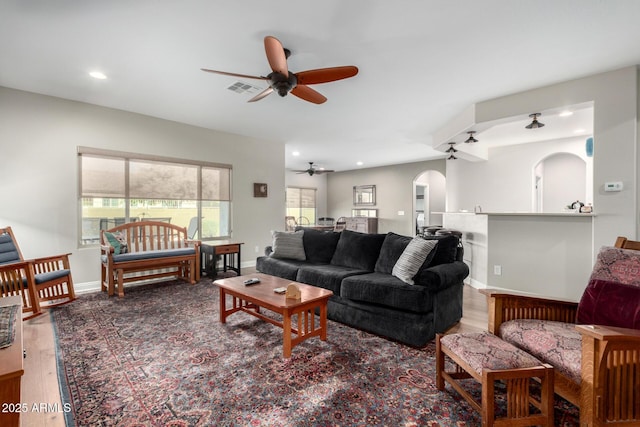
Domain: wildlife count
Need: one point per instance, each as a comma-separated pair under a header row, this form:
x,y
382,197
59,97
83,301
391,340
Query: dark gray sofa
x,y
357,267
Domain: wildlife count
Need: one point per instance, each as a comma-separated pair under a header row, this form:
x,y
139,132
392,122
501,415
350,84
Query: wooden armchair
x,y
606,385
35,280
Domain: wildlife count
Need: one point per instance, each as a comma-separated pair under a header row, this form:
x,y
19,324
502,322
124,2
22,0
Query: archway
x,y
559,180
429,199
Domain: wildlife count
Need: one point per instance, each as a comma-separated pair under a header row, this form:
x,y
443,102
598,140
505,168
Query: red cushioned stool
x,y
487,359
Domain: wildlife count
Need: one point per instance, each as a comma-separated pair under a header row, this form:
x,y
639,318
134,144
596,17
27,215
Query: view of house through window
x,y
301,205
121,187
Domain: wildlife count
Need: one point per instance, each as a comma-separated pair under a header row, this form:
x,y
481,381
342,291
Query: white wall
x,y
615,120
39,136
394,193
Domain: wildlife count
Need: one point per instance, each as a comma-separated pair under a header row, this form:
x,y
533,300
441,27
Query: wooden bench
x,y
487,359
147,250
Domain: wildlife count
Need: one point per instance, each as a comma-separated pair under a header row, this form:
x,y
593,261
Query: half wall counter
x,y
541,253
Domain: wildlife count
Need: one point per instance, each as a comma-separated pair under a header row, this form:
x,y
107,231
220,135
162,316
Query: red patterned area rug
x,y
160,357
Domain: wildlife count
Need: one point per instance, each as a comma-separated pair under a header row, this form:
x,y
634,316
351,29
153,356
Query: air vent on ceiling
x,y
242,87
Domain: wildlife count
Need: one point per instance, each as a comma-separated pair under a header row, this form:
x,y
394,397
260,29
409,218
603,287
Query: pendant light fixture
x,y
451,150
535,124
471,139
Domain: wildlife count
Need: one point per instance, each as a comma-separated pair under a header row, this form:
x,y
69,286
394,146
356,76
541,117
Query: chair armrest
x,y
195,243
609,333
609,367
106,249
50,263
505,306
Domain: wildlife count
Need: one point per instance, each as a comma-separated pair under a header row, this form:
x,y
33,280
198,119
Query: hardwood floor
x,y
40,380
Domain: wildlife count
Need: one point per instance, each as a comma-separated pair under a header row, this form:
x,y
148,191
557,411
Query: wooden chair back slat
x,y
624,243
151,235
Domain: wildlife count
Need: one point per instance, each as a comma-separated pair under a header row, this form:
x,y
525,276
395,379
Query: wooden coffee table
x,y
251,298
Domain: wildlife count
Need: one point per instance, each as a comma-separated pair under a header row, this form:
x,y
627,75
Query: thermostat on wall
x,y
613,186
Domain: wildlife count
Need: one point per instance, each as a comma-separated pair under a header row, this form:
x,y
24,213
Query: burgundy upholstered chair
x,y
593,345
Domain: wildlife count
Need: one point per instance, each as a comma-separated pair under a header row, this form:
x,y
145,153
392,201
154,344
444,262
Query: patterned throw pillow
x,y
288,245
118,241
412,259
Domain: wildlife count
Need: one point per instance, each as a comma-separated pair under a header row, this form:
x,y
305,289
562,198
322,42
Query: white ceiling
x,y
421,62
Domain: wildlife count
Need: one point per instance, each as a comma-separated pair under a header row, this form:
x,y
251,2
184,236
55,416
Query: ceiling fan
x,y
284,81
313,170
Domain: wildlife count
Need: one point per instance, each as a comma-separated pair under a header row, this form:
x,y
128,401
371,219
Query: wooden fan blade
x,y
324,75
234,74
324,171
276,56
261,95
308,94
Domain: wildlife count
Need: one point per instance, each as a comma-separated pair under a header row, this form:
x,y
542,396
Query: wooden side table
x,y
230,252
11,371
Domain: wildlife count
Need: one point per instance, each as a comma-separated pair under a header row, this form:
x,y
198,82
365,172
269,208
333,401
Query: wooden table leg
x,y
286,334
223,306
323,321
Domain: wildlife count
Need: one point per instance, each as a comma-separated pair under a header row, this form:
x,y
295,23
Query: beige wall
x,y
394,192
39,136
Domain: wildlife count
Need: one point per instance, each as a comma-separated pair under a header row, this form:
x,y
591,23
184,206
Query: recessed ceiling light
x,y
295,153
98,75
578,131
566,113
359,163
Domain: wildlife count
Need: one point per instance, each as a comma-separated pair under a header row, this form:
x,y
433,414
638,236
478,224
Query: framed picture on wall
x,y
364,195
259,189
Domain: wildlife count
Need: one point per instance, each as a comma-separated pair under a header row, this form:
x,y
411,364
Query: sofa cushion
x,y
392,247
556,343
483,350
326,276
617,265
358,250
446,250
319,246
612,296
285,268
386,290
610,304
412,259
288,245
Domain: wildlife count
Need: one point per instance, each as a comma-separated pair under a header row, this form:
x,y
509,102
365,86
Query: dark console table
x,y
230,252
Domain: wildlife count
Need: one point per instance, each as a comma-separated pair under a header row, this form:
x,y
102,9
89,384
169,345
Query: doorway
x,y
429,199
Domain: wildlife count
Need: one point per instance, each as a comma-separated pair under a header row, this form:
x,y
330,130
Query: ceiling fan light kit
x,y
535,124
282,81
471,139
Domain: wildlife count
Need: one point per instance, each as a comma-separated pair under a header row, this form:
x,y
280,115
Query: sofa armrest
x,y
504,306
442,276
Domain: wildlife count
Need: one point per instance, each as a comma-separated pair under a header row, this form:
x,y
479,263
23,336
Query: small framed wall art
x,y
259,189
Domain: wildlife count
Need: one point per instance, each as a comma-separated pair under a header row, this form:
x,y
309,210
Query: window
x,y
117,187
301,205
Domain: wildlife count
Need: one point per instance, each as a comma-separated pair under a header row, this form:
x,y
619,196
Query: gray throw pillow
x,y
288,245
412,259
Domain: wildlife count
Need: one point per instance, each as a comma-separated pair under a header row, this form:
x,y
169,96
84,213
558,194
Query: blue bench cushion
x,y
388,291
163,253
51,275
8,250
